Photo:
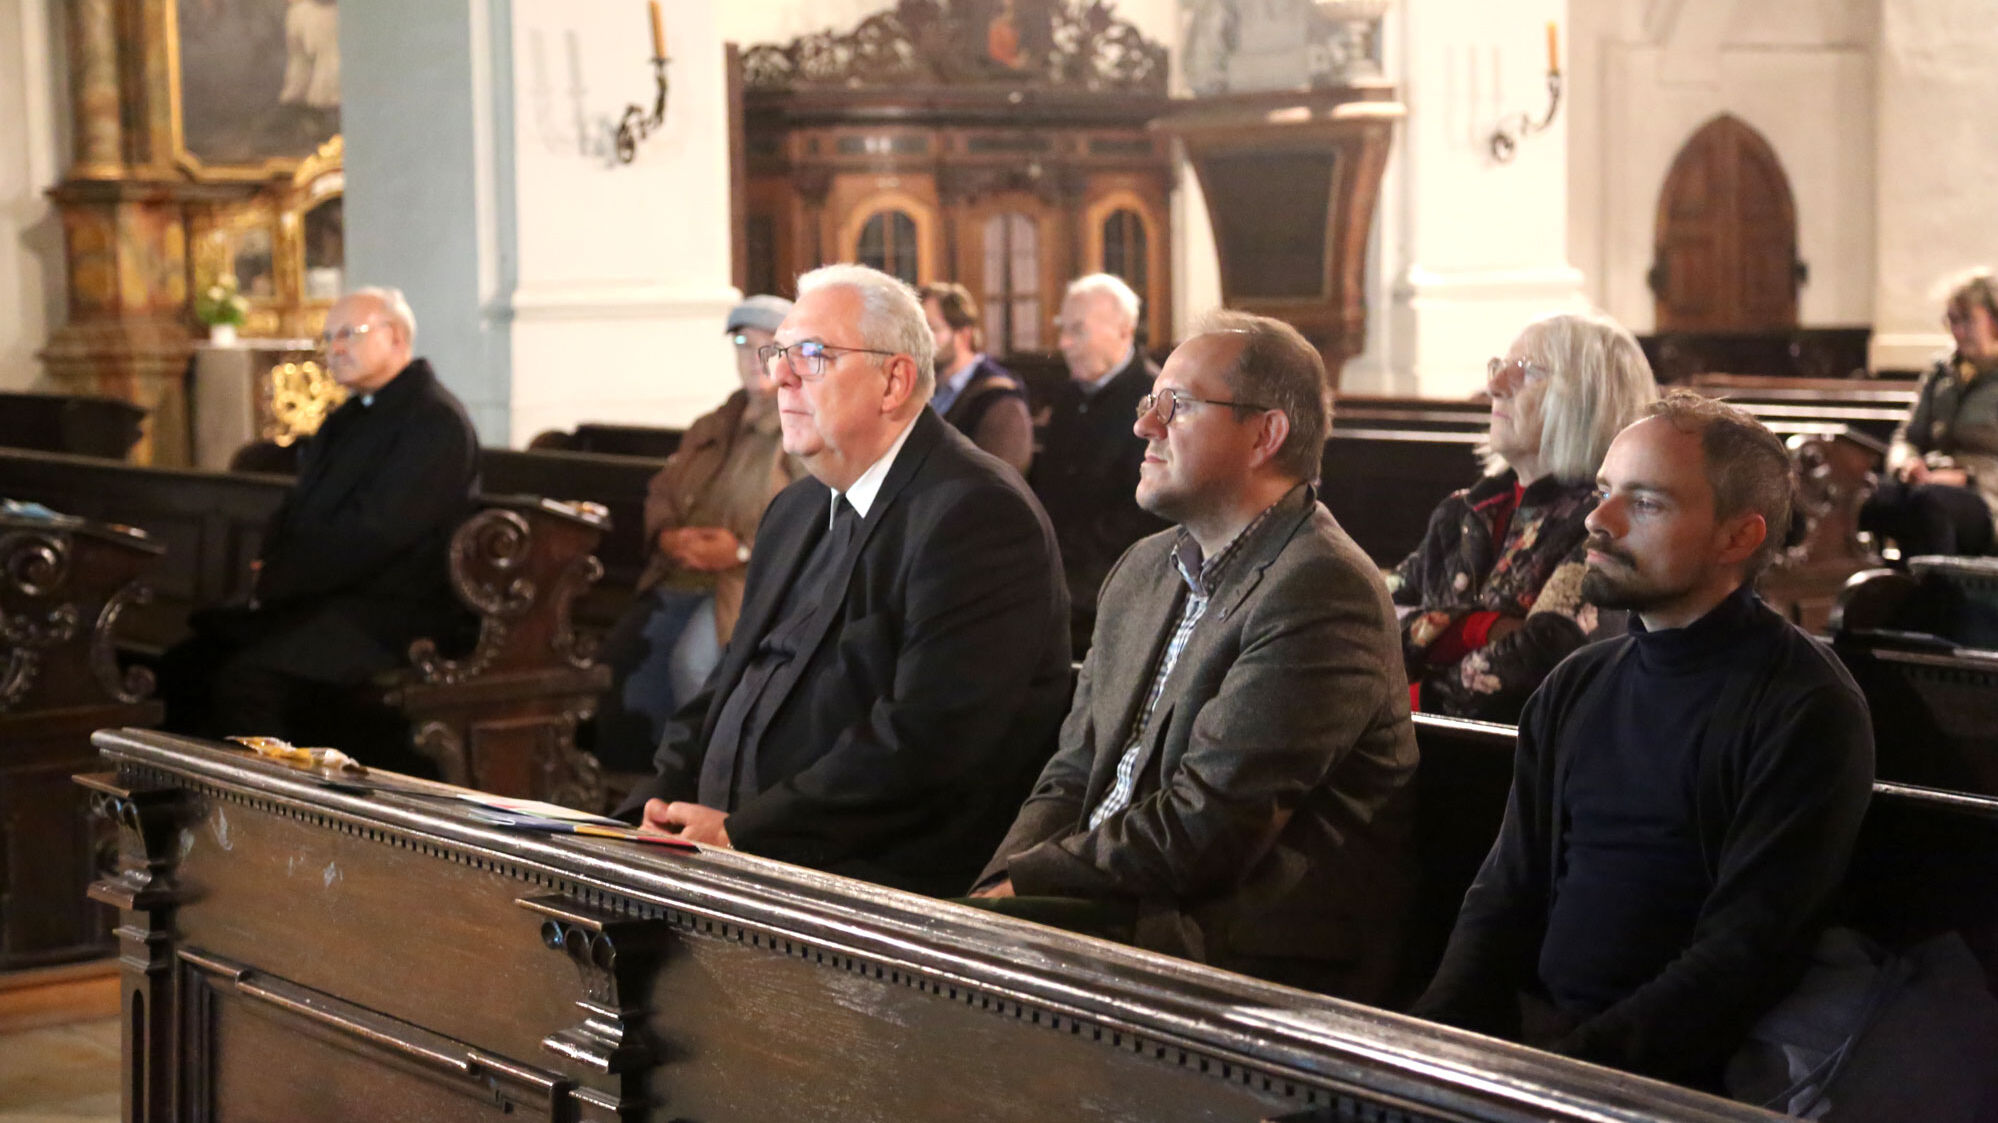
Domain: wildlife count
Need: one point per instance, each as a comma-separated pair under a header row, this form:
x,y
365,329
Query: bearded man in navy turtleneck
x,y
1685,798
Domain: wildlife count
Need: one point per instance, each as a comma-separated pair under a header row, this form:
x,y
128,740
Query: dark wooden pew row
x,y
1934,699
1926,862
1823,354
84,426
64,584
407,960
649,441
496,708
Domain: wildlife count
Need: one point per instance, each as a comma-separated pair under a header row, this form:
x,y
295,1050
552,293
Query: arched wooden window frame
x,y
1156,310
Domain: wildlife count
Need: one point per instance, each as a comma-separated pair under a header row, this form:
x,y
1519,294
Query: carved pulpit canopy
x,y
1005,44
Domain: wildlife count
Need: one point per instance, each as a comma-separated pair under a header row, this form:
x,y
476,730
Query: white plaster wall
x,y
1937,161
623,279
1475,247
31,252
1651,73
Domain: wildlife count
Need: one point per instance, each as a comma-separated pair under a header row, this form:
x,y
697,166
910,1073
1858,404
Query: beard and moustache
x,y
1602,589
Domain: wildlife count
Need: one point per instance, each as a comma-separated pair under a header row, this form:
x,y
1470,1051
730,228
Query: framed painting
x,y
256,84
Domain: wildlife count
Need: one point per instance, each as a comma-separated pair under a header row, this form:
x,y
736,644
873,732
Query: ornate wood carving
x,y
923,42
143,890
615,957
938,112
503,716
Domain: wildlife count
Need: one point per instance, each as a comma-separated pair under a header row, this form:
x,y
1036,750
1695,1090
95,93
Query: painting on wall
x,y
257,82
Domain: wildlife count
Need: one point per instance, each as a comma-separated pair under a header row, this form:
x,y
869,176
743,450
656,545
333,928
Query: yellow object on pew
x,y
284,751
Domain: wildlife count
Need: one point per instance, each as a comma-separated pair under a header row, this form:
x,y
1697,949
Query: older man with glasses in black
x,y
1232,781
900,666
354,564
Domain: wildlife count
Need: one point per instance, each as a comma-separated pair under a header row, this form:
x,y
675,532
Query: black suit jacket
x,y
932,695
1086,474
356,559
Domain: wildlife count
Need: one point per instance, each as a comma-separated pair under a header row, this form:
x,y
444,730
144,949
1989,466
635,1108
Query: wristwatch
x,y
742,553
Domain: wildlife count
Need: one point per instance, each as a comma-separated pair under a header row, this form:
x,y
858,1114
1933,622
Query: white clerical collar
x,y
864,489
1091,389
961,377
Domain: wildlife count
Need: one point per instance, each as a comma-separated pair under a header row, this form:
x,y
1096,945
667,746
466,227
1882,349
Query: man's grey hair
x,y
891,316
1598,381
1279,369
1747,466
1113,286
394,305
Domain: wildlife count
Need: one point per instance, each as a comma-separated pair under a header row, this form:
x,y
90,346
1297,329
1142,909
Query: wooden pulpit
x,y
1291,179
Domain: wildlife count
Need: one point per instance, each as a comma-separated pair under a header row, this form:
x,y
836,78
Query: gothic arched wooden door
x,y
1726,245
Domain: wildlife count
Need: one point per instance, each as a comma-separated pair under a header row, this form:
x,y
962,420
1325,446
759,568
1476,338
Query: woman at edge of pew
x,y
1491,599
1942,494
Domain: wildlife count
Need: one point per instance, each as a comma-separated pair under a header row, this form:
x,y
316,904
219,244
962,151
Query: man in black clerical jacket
x,y
1086,473
354,564
1685,797
901,664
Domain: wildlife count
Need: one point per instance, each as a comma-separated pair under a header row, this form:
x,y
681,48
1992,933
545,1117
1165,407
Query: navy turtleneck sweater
x,y
1629,877
1683,806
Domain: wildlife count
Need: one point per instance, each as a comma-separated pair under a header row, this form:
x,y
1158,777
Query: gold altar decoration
x,y
175,180
298,398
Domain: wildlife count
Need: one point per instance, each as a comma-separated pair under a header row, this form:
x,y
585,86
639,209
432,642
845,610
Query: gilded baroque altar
x,y
207,143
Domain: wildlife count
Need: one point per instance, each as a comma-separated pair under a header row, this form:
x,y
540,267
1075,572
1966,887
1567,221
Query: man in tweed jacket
x,y
1233,779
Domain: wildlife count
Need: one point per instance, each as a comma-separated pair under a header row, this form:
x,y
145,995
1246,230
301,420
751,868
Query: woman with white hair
x,y
1492,597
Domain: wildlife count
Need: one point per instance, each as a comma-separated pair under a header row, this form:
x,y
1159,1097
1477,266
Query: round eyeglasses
x,y
1526,369
1167,403
809,359
352,333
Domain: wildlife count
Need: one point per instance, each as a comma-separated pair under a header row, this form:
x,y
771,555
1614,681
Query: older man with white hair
x,y
1086,471
354,563
901,664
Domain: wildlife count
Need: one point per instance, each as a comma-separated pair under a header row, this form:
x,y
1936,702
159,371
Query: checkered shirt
x,y
1201,578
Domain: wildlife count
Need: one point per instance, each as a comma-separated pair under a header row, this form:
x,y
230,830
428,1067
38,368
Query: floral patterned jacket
x,y
1534,575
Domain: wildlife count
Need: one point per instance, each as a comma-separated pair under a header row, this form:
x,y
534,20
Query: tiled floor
x,y
60,1074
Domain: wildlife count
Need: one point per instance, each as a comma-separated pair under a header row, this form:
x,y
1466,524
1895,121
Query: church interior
x,y
1778,201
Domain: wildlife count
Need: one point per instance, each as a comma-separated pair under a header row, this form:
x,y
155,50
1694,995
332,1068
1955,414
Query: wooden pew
x,y
617,483
65,583
1382,484
1934,702
1926,862
649,441
83,426
404,959
501,714
1804,353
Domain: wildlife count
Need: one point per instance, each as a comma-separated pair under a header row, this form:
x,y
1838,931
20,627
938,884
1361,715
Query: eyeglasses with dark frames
x,y
1166,404
809,358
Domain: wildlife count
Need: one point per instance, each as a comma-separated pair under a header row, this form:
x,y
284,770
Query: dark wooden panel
x,y
1382,484
715,986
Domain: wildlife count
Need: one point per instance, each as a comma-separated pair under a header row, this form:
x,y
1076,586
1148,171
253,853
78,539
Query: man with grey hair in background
x,y
355,563
1685,797
1086,470
1233,780
901,663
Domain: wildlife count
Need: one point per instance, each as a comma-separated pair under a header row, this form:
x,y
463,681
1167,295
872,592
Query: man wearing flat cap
x,y
701,513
